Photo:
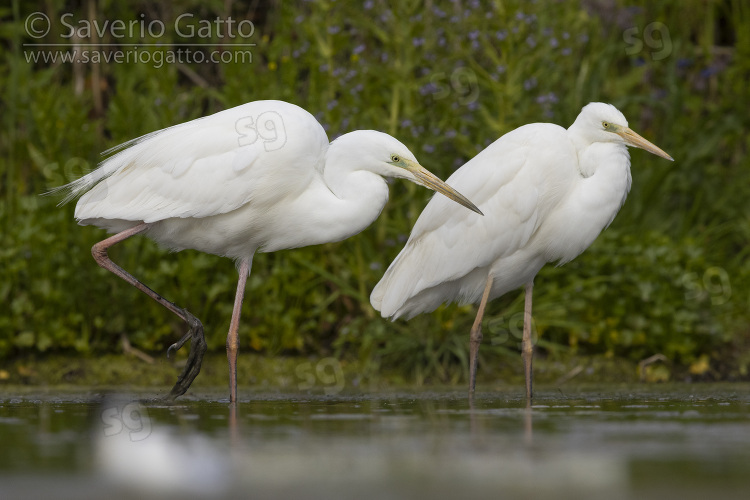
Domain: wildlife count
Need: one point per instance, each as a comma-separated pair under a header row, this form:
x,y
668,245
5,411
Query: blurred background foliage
x,y
670,276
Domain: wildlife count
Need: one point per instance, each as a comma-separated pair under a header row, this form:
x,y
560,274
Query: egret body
x,y
546,193
257,177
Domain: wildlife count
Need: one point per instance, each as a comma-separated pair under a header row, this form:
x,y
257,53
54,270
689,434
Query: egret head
x,y
600,122
386,156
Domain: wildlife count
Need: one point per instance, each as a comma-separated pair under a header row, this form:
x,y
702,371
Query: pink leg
x,y
475,337
527,348
233,338
198,344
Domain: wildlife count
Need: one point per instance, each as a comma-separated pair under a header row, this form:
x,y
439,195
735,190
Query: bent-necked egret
x,y
257,177
546,193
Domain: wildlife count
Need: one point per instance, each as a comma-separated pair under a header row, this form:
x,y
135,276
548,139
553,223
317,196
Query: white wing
x,y
514,182
254,153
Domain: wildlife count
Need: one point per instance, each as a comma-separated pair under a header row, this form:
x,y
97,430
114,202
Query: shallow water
x,y
676,441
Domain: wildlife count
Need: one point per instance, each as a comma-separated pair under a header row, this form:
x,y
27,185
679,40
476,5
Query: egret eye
x,y
605,124
395,158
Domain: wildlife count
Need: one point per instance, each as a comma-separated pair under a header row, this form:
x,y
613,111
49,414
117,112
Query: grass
x,y
669,276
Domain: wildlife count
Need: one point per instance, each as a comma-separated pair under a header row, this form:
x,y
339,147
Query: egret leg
x,y
195,332
233,338
475,338
527,348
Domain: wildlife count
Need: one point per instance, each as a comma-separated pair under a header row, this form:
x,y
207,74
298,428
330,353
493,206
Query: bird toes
x,y
198,349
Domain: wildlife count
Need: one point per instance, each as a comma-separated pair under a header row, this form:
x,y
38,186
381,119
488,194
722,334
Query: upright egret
x,y
257,177
546,193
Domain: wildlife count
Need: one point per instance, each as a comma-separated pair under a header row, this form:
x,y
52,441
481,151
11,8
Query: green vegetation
x,y
670,276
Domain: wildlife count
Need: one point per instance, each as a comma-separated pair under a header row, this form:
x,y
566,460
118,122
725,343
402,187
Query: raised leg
x,y
195,332
233,338
527,348
475,338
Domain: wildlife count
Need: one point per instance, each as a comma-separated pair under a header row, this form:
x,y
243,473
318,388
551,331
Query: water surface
x,y
675,441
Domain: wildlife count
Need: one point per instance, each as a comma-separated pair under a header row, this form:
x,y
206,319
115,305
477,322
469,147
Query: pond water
x,y
662,441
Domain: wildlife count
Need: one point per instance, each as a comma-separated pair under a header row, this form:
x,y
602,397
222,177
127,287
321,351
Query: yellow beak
x,y
429,180
635,140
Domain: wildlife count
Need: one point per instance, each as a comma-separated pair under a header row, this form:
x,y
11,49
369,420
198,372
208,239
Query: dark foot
x,y
195,358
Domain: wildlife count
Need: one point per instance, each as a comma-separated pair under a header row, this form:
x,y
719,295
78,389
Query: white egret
x,y
257,177
546,193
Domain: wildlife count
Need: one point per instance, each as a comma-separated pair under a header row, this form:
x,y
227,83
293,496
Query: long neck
x,y
593,202
338,203
358,196
607,179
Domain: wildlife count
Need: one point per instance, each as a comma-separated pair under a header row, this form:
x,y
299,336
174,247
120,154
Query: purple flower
x,y
550,98
553,42
501,35
358,49
334,29
529,84
417,41
428,148
710,71
428,88
530,41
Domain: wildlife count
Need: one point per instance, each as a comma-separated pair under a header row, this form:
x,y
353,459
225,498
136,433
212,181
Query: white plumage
x,y
257,177
546,193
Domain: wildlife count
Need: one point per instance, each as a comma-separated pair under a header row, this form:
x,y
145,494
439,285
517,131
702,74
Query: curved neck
x,y
592,204
357,196
339,203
